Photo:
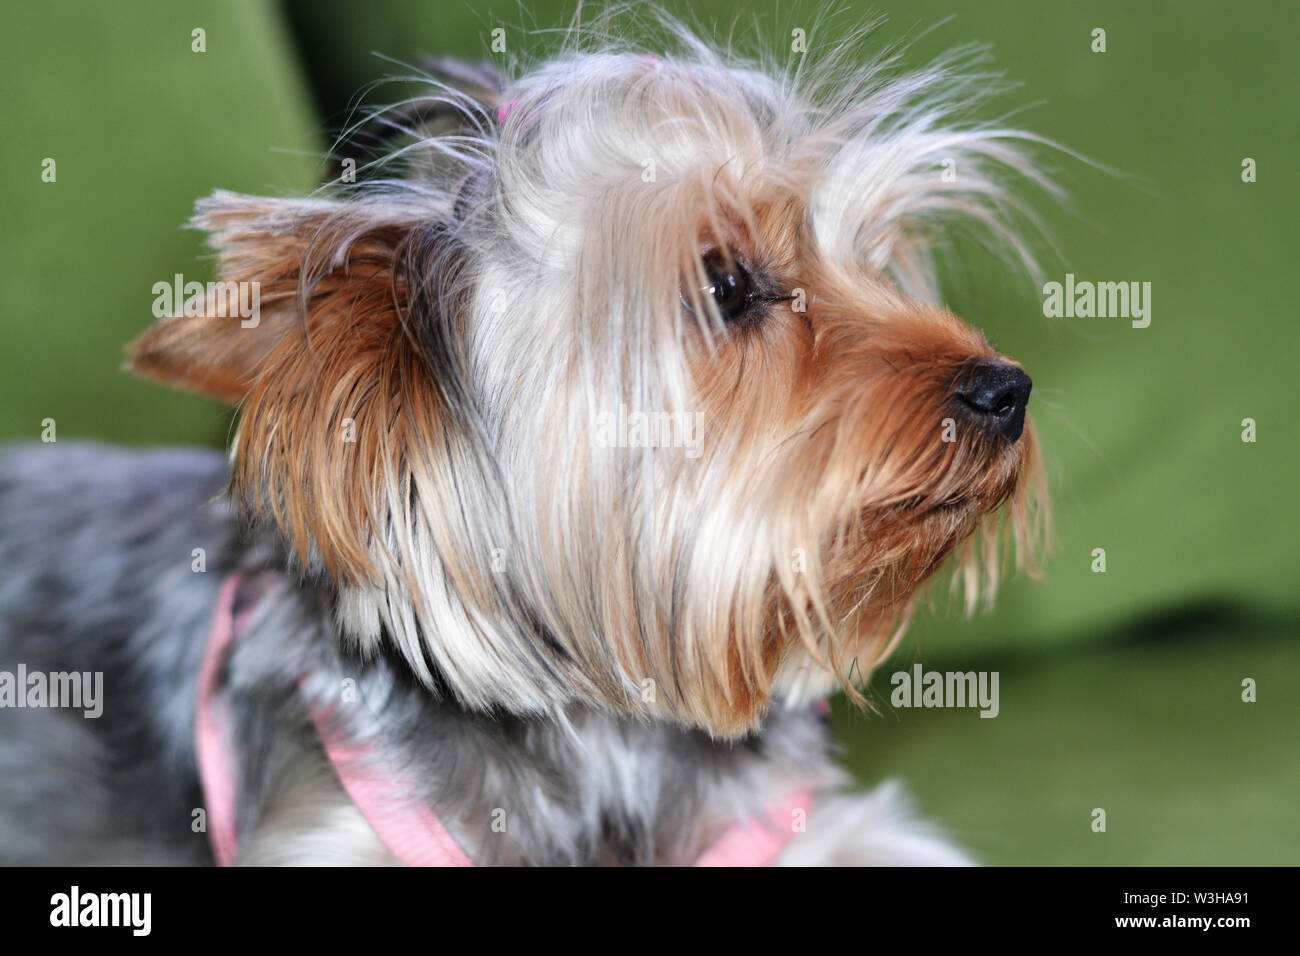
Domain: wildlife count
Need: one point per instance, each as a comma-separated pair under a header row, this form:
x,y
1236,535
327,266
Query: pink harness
x,y
412,833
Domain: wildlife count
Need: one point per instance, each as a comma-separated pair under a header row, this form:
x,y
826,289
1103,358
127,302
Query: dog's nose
x,y
998,391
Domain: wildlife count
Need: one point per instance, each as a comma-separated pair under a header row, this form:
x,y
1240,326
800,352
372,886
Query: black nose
x,y
999,392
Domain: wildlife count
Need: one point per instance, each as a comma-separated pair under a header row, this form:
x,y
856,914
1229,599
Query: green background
x,y
1119,690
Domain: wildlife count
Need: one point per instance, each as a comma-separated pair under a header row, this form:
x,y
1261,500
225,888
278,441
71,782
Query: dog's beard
x,y
795,573
843,616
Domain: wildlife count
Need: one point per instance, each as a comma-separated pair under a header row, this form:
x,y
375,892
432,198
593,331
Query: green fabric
x,y
1141,428
139,128
1152,729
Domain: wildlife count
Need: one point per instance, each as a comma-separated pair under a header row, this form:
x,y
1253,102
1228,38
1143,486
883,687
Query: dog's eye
x,y
729,285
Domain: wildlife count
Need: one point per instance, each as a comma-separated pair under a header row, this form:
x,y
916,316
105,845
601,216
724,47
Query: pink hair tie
x,y
508,107
505,109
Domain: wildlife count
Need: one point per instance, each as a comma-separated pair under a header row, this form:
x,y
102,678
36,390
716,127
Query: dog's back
x,y
102,587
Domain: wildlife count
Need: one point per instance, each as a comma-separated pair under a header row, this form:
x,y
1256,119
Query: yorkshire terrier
x,y
601,429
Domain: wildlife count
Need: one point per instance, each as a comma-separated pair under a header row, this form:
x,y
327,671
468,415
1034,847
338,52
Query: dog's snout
x,y
998,391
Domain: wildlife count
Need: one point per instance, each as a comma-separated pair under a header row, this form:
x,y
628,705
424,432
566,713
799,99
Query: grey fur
x,y
95,575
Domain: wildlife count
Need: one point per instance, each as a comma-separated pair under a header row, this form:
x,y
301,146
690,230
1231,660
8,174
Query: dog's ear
x,y
345,370
287,269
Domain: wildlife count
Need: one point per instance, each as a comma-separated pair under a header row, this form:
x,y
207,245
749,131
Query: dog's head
x,y
629,390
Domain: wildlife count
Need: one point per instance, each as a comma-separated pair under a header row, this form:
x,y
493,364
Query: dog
x,y
590,439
